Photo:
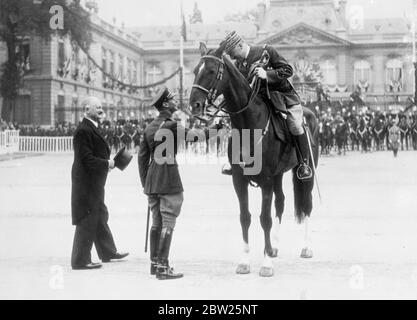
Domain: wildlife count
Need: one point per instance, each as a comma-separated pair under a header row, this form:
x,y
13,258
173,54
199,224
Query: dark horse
x,y
326,136
364,136
215,75
341,134
379,134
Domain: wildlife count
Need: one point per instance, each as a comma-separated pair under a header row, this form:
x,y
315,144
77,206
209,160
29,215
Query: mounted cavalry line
x,y
217,75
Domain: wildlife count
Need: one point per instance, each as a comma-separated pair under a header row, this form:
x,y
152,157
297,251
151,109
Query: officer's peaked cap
x,y
163,95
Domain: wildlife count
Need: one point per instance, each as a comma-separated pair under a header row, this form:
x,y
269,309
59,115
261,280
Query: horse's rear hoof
x,y
273,253
243,269
266,272
306,253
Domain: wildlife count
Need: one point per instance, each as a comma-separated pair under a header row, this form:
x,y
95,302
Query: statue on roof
x,y
247,16
196,17
92,6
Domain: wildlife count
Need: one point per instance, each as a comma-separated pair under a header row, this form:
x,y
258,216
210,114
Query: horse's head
x,y
208,81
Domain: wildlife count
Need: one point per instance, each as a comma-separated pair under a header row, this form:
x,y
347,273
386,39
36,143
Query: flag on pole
x,y
183,26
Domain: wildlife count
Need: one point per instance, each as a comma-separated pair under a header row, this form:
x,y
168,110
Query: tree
x,y
247,16
20,19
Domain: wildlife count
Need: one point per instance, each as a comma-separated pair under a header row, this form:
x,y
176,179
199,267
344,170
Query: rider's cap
x,y
163,95
231,41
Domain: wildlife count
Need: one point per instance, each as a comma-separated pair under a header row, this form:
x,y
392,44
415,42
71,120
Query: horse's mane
x,y
231,67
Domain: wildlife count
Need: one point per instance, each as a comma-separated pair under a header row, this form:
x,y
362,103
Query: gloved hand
x,y
260,72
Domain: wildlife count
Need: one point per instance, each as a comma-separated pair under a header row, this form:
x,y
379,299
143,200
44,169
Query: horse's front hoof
x,y
243,269
266,272
272,253
306,253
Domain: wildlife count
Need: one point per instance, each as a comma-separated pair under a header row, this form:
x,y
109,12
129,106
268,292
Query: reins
x,y
212,93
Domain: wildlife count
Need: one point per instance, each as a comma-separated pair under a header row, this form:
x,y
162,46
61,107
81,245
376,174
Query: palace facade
x,y
373,57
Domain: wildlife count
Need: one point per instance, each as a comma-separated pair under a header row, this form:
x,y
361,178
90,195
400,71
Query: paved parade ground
x,y
364,235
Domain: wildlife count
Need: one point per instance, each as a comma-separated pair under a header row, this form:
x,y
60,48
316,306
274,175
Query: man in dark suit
x,y
89,174
158,170
267,64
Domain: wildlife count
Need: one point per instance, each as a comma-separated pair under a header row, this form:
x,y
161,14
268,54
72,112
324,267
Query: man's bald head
x,y
93,109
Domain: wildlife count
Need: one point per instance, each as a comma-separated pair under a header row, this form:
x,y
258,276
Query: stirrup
x,y
303,175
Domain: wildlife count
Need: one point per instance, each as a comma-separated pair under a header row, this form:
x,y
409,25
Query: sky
x,y
167,12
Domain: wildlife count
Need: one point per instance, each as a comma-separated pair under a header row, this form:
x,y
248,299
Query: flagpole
x,y
181,71
181,59
413,32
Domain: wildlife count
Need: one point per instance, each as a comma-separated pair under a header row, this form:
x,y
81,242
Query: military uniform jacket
x,y
159,178
394,134
89,170
278,70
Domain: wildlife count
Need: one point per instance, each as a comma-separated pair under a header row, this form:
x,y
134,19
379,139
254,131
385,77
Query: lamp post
x,y
413,39
182,35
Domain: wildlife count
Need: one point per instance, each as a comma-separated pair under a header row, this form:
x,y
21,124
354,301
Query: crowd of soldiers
x,y
338,132
117,134
123,134
365,131
4,125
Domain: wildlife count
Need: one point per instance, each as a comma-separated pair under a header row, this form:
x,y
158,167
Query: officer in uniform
x,y
162,182
394,134
275,76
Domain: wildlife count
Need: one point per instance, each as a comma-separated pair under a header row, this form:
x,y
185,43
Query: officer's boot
x,y
154,246
227,169
304,171
164,271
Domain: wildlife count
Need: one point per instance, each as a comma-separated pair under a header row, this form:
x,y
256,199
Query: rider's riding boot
x,y
164,271
227,169
154,236
304,171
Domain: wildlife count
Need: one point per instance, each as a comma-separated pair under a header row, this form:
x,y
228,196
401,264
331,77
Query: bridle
x,y
213,92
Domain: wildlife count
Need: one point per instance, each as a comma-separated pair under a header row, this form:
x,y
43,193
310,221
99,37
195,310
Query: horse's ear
x,y
220,49
203,49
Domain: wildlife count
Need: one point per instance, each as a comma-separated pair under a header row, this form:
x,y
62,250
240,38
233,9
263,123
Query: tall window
x,y
75,110
60,111
111,63
135,72
61,53
104,59
394,74
329,72
153,74
362,74
129,70
121,69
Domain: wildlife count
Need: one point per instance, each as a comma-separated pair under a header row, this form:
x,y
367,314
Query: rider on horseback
x,y
275,87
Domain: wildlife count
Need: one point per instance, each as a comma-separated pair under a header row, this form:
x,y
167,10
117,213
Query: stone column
x,y
343,70
378,74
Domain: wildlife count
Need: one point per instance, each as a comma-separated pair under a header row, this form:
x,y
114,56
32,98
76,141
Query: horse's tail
x,y
303,199
303,189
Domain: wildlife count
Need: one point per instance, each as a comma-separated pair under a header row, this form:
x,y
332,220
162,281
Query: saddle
x,y
278,111
279,119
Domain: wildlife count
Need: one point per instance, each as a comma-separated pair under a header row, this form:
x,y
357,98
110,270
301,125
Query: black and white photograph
x,y
226,152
